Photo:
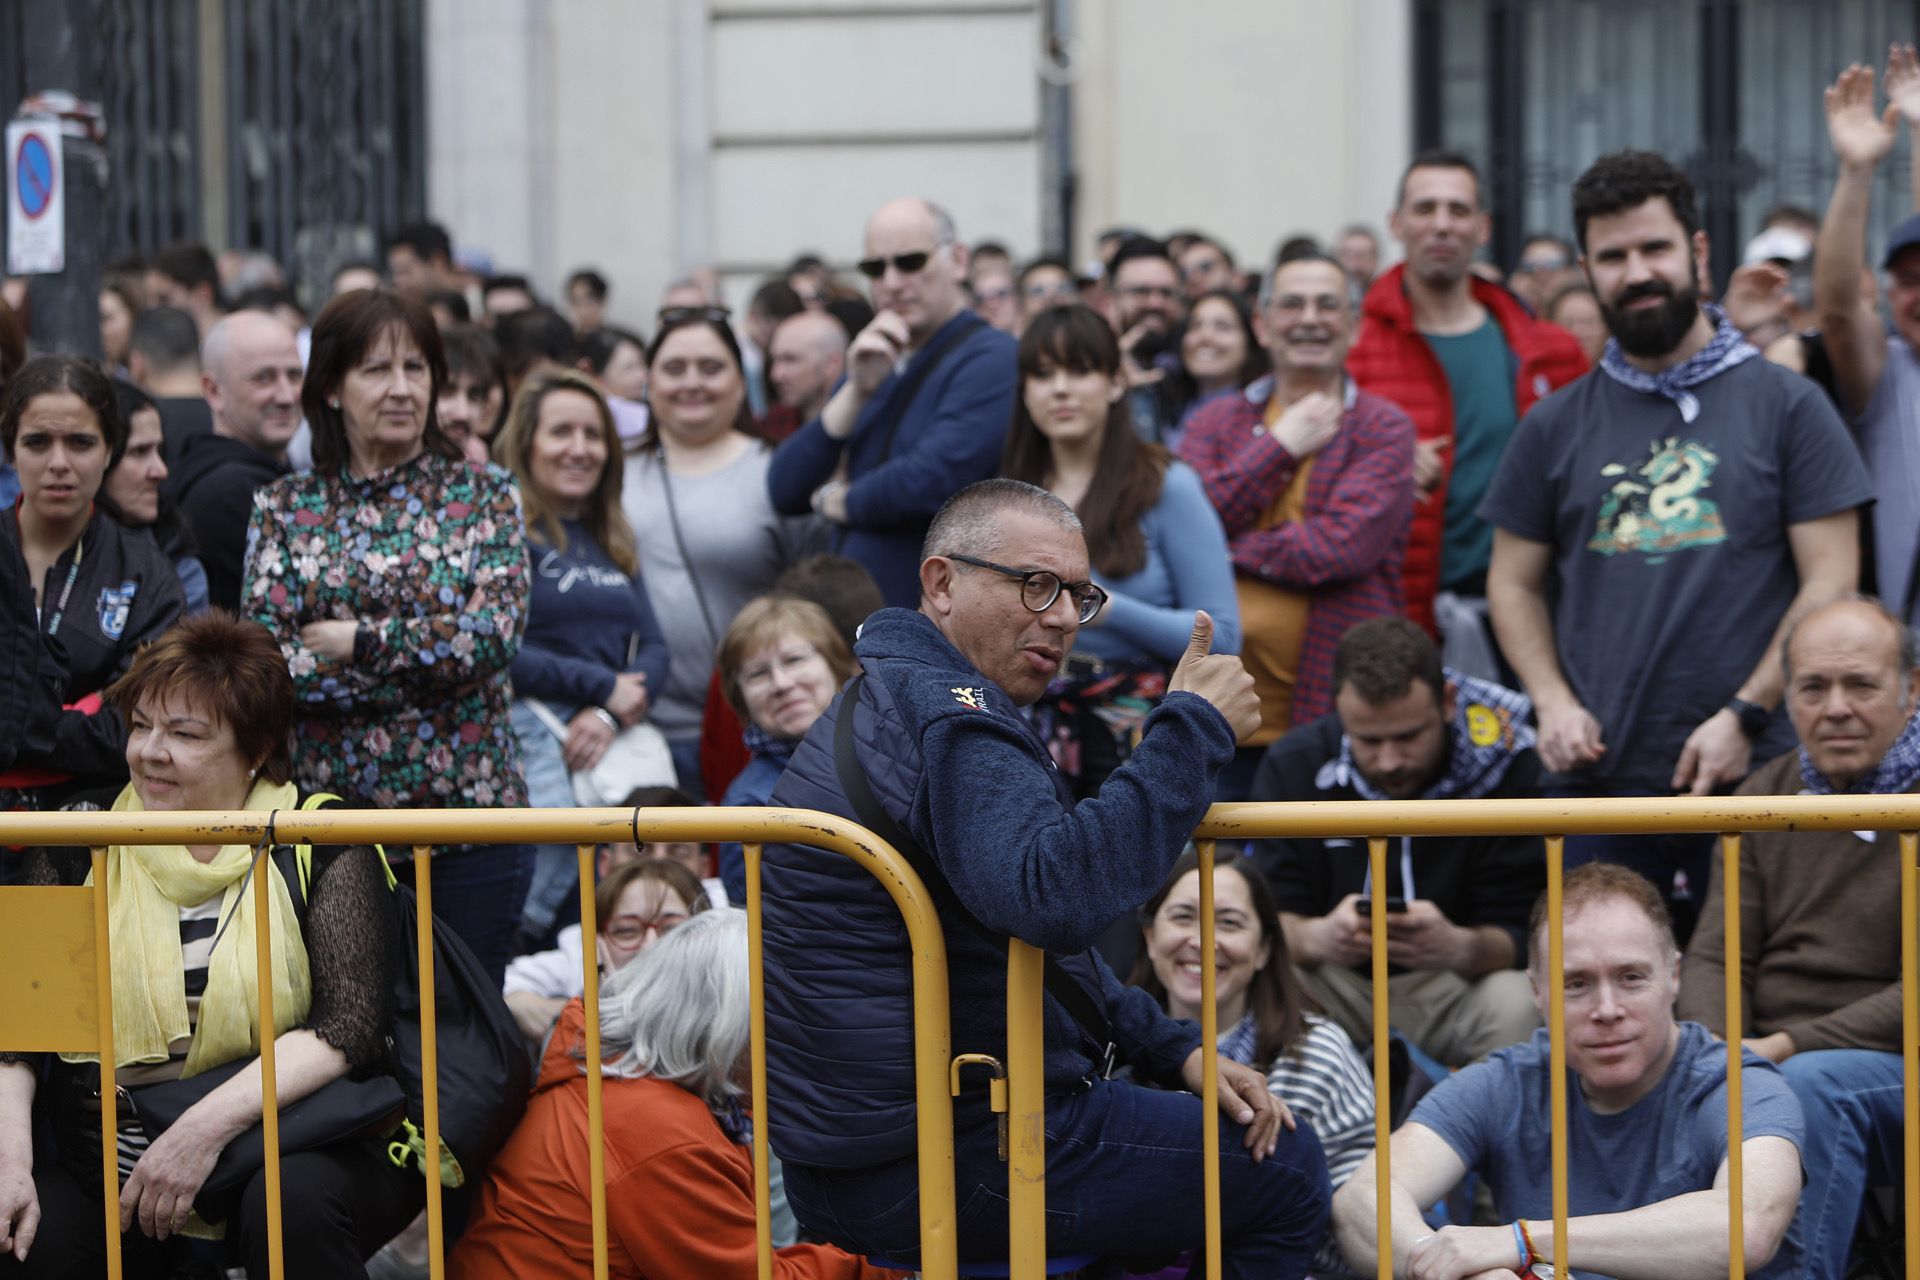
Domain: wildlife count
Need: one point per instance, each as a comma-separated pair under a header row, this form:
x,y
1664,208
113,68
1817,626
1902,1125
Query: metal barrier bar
x,y
1736,1024
1557,1030
1910,1037
1382,1062
263,919
1209,1061
103,966
757,1048
429,1062
596,1086
1026,1113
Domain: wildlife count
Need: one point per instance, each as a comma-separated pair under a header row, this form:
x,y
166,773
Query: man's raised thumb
x,y
1200,643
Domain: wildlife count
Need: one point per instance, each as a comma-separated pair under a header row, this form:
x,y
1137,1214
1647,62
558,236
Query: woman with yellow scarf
x,y
209,708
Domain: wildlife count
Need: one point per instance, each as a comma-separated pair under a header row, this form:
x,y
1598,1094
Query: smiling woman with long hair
x,y
696,494
1155,543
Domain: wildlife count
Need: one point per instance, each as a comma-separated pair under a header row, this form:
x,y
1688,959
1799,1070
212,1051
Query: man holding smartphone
x,y
1406,728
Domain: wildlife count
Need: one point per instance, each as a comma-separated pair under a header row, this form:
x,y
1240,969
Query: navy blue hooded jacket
x,y
952,760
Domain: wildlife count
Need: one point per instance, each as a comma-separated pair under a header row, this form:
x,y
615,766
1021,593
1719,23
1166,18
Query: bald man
x,y
250,375
1820,916
923,409
805,358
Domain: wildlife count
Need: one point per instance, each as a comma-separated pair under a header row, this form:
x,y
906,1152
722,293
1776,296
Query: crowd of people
x,y
1096,547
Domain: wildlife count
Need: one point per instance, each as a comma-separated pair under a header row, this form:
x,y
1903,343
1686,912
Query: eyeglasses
x,y
1039,588
759,677
712,313
905,263
1141,292
628,930
1541,266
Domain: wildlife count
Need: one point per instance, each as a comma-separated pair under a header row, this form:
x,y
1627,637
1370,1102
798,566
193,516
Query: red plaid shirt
x,y
1346,554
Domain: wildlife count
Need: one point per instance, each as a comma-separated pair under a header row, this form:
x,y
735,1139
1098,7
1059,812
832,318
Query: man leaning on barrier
x,y
1646,1126
1820,916
1406,728
940,746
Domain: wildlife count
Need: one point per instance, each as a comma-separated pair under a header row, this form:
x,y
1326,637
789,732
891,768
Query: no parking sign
x,y
36,200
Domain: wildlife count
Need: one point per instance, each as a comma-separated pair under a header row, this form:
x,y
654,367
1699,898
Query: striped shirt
x,y
198,926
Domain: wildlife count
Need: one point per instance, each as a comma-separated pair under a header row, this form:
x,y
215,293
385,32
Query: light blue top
x,y
1150,615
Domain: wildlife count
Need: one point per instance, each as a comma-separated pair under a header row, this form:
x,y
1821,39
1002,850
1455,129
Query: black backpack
x,y
486,1073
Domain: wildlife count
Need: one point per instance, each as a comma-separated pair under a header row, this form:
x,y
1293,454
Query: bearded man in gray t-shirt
x,y
1657,524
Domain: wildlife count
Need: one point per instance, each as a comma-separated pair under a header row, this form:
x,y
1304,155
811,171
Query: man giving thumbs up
x,y
932,751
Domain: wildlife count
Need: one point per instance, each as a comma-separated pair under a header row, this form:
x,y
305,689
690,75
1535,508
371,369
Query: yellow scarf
x,y
146,887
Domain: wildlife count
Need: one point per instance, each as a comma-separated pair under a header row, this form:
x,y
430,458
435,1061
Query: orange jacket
x,y
679,1191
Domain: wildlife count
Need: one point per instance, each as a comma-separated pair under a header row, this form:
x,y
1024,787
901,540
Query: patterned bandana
x,y
1896,773
1728,348
1489,728
762,743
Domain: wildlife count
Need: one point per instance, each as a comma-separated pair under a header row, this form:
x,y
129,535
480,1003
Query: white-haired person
x,y
679,1165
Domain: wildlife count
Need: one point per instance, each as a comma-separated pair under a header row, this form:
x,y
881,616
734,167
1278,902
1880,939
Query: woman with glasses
x,y
780,665
696,496
679,1153
635,905
1155,543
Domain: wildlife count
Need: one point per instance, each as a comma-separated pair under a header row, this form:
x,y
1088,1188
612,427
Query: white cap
x,y
1778,244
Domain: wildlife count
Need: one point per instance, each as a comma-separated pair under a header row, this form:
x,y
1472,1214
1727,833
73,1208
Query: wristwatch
x,y
1753,717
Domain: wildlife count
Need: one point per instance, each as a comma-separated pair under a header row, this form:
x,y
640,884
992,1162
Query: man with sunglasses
x,y
931,749
923,409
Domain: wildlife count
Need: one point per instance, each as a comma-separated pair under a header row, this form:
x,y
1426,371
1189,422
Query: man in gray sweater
x,y
1820,916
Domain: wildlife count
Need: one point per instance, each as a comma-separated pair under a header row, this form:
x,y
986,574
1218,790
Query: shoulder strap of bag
x,y
873,815
924,364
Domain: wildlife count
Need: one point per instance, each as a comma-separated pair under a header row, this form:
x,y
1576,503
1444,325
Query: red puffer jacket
x,y
1390,359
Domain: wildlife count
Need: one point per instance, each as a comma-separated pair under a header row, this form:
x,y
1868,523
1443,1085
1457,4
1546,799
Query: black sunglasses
x,y
713,313
905,263
1039,588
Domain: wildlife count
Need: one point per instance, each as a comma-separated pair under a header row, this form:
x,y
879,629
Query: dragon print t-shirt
x,y
1672,564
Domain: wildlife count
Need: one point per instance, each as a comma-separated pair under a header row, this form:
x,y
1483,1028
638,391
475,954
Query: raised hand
x,y
1903,83
1861,138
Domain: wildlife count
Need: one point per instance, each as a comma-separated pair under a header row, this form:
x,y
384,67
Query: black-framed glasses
x,y
905,263
1039,588
712,313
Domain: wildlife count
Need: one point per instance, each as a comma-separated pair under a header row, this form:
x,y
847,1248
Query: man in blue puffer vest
x,y
941,740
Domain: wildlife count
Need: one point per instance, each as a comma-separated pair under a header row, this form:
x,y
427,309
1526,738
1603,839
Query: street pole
x,y
62,47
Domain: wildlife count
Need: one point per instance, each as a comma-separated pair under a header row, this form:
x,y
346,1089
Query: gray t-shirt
x,y
1671,564
738,547
1890,439
1497,1117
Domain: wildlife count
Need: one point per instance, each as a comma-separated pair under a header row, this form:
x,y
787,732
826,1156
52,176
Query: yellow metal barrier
x,y
1376,823
586,828
1552,819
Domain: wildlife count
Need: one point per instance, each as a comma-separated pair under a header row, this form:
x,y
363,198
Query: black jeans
x,y
339,1205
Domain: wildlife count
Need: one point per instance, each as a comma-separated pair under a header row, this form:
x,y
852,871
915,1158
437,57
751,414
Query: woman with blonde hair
x,y
592,656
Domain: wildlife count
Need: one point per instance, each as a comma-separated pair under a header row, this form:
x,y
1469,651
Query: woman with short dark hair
x,y
209,707
394,576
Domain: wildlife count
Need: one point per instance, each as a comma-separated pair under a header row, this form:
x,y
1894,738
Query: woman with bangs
x,y
592,654
1154,541
394,576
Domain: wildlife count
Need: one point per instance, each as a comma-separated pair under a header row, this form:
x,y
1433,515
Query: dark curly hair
x,y
1626,180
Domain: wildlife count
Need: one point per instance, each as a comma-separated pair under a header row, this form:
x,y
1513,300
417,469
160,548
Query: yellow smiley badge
x,y
1483,726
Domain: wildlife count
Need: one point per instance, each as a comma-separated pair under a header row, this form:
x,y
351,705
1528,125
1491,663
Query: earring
x,y
252,772
333,404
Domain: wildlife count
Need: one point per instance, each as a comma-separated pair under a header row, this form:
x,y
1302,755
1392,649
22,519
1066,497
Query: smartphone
x,y
1365,905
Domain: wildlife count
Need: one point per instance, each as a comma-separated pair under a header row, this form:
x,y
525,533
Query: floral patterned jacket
x,y
431,557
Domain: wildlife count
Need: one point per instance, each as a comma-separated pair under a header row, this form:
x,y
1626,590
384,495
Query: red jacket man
x,y
1433,297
